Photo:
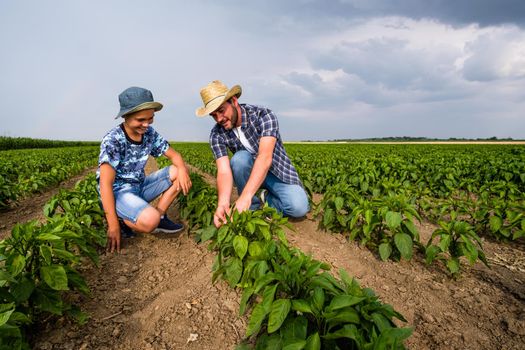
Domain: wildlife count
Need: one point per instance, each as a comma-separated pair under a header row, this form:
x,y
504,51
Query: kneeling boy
x,y
125,190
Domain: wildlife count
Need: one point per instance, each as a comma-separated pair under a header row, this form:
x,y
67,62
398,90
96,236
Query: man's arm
x,y
262,164
183,178
107,178
224,190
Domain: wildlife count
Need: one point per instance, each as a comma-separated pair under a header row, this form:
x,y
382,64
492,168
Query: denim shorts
x,y
132,199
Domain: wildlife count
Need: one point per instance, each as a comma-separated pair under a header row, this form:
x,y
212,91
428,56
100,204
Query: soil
x,y
157,294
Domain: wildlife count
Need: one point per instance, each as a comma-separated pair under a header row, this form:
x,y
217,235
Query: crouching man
x,y
259,159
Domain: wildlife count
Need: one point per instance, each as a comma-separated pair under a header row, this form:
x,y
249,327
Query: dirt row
x,y
157,294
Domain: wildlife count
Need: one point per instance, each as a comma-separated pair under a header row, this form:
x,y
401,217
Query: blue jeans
x,y
290,200
132,199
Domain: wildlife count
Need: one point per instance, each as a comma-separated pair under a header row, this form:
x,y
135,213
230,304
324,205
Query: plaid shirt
x,y
256,122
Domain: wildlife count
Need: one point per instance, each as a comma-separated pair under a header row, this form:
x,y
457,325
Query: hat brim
x,y
214,104
146,105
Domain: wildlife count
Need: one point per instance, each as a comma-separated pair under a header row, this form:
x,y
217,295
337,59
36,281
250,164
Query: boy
x,y
125,191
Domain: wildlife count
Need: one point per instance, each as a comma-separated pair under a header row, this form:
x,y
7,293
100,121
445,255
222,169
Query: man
x,y
125,190
259,159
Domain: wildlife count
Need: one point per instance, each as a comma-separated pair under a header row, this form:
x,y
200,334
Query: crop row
x,y
437,171
197,154
386,224
376,198
375,194
434,170
10,143
23,172
295,303
39,262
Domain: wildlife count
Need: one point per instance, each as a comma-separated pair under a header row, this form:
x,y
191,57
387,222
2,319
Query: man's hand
x,y
113,239
219,217
243,203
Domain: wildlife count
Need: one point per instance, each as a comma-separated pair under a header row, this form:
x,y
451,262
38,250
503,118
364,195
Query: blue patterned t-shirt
x,y
129,157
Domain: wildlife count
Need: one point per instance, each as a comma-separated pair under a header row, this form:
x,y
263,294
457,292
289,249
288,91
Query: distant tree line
x,y
7,143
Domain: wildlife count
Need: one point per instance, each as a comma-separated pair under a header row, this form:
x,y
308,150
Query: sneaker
x,y
126,231
262,196
168,226
259,199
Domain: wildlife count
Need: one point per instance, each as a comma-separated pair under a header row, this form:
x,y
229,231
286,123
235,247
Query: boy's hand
x,y
113,239
183,179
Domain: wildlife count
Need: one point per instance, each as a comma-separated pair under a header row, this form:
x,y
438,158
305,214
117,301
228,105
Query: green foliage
x,y
503,219
26,171
456,239
374,193
197,154
495,216
437,170
294,302
10,143
382,223
245,244
198,206
40,262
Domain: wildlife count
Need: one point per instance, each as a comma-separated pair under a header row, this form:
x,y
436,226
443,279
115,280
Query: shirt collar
x,y
129,138
244,118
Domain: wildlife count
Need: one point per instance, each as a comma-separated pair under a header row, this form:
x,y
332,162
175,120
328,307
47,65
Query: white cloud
x,y
398,76
340,72
497,53
397,60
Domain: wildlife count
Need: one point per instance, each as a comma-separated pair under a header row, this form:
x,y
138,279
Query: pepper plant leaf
x,y
279,310
313,342
240,244
385,249
404,244
393,220
55,276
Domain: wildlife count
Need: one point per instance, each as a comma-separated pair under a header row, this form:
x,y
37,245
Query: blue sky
x,y
328,69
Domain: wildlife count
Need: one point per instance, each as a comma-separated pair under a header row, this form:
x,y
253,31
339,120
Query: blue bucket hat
x,y
135,99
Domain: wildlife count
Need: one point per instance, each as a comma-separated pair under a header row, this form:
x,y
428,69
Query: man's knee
x,y
298,209
241,160
296,204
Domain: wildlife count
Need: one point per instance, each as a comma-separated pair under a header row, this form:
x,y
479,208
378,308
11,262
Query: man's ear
x,y
233,100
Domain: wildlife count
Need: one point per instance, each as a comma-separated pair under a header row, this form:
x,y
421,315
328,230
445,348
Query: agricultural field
x,y
27,171
421,245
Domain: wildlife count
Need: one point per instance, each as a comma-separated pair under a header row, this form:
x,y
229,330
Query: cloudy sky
x,y
329,69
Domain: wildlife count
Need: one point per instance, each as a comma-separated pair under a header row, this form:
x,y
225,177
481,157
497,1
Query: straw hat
x,y
213,95
135,99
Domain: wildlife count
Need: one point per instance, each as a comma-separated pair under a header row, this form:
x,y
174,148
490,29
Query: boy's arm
x,y
183,176
107,178
224,190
